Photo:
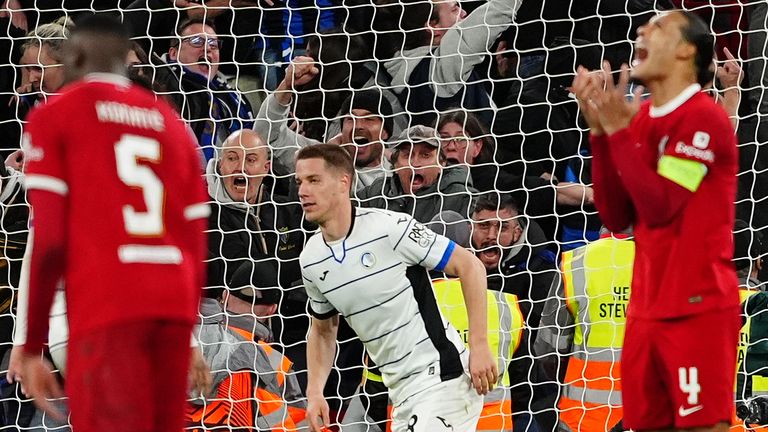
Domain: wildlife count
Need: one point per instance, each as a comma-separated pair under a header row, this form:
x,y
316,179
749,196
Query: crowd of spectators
x,y
453,112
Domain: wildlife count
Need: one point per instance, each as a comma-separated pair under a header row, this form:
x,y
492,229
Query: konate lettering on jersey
x,y
144,118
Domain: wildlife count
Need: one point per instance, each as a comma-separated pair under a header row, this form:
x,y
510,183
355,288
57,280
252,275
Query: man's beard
x,y
373,155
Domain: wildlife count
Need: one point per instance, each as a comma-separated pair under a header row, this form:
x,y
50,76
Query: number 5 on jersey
x,y
128,151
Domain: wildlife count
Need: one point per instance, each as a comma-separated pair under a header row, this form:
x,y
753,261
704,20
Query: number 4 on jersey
x,y
689,383
128,151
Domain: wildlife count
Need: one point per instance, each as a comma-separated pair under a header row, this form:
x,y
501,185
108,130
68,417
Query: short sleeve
x,y
416,244
690,153
43,147
319,306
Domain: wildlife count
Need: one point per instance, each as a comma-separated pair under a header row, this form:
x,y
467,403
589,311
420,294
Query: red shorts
x,y
130,377
679,373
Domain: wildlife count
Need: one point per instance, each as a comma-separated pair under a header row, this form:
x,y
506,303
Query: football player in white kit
x,y
371,266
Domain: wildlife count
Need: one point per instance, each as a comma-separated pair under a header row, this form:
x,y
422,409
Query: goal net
x,y
457,113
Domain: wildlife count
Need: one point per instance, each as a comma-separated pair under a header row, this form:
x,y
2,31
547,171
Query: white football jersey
x,y
377,279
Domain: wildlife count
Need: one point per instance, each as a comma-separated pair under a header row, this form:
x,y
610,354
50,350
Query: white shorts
x,y
449,406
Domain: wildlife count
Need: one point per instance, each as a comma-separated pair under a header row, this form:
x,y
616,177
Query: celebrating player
x,y
668,167
371,267
119,214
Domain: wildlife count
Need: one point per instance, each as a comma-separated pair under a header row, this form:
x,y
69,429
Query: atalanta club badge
x,y
368,260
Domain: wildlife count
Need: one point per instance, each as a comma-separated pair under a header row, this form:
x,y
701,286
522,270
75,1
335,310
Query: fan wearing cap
x,y
251,300
367,122
254,384
422,185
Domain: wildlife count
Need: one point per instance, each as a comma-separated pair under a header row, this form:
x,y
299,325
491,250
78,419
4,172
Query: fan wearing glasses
x,y
465,140
212,108
197,50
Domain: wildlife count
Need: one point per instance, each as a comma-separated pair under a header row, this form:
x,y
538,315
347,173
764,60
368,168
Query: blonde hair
x,y
50,35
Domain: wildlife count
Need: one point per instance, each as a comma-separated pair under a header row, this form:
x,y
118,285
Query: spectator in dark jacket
x,y
247,223
212,108
422,185
514,251
466,141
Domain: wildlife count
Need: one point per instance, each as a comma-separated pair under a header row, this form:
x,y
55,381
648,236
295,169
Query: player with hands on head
x,y
370,266
667,166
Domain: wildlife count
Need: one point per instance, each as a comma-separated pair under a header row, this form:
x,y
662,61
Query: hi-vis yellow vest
x,y
505,320
759,382
597,281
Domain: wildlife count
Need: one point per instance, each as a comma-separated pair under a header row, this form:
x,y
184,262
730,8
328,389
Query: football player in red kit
x,y
119,214
668,167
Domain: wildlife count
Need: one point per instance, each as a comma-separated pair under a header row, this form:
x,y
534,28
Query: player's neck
x,y
337,226
664,90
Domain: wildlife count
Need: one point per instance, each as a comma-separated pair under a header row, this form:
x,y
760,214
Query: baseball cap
x,y
373,101
418,134
256,283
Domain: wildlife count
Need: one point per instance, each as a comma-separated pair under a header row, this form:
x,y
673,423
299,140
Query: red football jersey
x,y
130,174
684,267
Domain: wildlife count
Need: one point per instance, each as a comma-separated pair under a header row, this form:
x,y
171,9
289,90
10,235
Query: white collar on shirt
x,y
675,103
110,78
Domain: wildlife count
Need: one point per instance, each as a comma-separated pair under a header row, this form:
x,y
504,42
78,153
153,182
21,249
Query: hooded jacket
x,y
452,191
268,230
213,109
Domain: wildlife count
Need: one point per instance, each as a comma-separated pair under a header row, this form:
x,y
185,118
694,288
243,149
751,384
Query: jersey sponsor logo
x,y
143,118
700,140
685,412
325,273
368,260
401,220
31,153
421,235
691,151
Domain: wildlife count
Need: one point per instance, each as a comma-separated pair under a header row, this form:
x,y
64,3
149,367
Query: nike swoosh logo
x,y
685,412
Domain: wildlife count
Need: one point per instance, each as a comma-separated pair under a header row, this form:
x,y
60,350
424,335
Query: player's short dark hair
x,y
333,155
104,25
175,41
697,33
494,201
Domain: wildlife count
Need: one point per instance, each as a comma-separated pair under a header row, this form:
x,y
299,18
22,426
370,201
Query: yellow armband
x,y
684,172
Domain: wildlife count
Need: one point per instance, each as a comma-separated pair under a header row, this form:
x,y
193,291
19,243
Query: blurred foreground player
x,y
119,214
668,167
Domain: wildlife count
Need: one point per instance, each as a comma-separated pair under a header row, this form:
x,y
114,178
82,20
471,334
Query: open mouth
x,y
489,252
307,206
361,140
240,183
204,63
640,55
417,181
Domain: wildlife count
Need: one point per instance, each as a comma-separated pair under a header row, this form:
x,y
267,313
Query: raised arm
x,y
465,45
272,119
658,193
471,271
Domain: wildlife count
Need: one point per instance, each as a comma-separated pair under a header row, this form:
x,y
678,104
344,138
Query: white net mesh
x,y
491,89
